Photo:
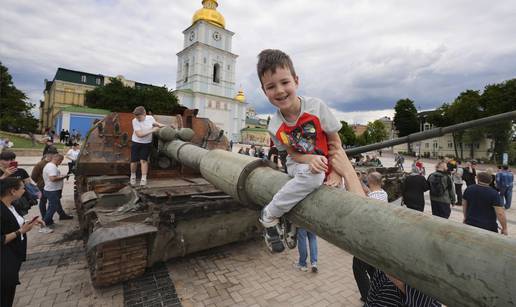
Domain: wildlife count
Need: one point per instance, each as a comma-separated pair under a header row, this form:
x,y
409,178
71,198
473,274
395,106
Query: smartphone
x,y
34,219
13,164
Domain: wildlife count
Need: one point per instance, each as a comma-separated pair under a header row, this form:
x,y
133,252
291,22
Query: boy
x,y
302,126
143,127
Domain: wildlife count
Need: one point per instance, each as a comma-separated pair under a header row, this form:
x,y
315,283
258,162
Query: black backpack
x,y
437,187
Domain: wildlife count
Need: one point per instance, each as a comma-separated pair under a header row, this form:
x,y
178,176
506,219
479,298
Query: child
x,y
302,126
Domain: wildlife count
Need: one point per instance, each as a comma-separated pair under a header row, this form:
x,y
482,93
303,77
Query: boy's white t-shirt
x,y
51,170
144,126
308,133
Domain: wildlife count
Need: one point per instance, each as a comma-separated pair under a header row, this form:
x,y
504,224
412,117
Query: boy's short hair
x,y
271,59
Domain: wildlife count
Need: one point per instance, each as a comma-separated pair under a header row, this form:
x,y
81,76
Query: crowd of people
x,y
18,193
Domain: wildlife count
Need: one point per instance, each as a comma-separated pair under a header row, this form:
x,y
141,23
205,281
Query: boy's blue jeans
x,y
302,235
54,205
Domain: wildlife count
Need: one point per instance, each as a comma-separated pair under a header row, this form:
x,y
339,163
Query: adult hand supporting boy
x,y
341,164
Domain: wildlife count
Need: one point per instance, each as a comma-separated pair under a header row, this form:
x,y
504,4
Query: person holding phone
x,y
53,191
9,167
13,237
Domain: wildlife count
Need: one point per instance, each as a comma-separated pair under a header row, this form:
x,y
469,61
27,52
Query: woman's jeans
x,y
302,235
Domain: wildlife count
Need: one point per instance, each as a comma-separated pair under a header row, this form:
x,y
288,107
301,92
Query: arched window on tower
x,y
186,72
216,73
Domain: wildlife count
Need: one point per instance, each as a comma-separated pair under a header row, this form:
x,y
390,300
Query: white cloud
x,y
356,55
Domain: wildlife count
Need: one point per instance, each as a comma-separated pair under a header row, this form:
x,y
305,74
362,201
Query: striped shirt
x,y
380,195
383,293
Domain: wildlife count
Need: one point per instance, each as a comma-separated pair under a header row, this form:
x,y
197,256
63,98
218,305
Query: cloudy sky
x,y
359,56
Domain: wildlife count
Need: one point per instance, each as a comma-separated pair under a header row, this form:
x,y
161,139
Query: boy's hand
x,y
333,180
318,164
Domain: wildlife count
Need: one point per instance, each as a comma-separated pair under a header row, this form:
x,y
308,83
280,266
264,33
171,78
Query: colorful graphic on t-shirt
x,y
306,136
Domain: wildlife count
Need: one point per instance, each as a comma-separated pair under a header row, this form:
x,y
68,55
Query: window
x,y
477,145
204,60
186,72
216,73
97,81
229,67
450,144
427,145
217,105
83,78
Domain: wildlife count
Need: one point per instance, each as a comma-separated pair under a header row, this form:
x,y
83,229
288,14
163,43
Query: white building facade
x,y
206,72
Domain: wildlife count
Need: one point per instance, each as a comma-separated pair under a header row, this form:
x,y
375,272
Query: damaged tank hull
x,y
127,229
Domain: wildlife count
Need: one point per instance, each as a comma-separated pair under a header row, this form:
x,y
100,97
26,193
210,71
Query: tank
x,y
127,229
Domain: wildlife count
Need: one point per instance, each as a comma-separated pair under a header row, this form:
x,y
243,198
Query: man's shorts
x,y
140,151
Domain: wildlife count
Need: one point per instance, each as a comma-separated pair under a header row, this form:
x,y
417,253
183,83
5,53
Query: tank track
x,y
118,260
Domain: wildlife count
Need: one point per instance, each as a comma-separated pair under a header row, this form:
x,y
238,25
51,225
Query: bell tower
x,y
205,78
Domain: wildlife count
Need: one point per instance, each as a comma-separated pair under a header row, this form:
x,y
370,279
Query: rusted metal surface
x,y
127,229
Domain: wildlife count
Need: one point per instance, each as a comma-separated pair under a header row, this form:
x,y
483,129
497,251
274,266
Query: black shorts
x,y
140,151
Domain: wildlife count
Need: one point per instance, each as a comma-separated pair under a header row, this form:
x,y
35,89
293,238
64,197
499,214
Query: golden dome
x,y
240,96
209,13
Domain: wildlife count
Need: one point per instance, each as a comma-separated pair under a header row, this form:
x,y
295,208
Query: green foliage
x,y
347,135
16,114
374,133
405,117
470,105
119,98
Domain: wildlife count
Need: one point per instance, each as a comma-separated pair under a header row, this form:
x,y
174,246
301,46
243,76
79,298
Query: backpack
x,y
436,185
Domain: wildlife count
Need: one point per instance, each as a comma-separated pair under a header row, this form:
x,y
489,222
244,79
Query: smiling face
x,y
280,88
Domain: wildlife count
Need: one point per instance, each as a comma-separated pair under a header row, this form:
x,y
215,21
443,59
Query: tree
x,y
347,135
375,132
405,118
499,98
117,97
16,110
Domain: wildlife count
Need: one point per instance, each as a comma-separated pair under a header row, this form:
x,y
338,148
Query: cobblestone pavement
x,y
240,274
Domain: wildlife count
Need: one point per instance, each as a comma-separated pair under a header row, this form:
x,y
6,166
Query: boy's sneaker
x,y
297,266
132,181
143,182
45,229
271,233
314,268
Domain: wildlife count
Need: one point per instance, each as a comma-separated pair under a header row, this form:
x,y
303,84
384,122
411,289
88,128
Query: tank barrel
x,y
432,133
457,264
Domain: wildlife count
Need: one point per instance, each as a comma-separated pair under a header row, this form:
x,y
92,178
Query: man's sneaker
x,y
65,217
314,268
45,230
302,268
143,182
132,181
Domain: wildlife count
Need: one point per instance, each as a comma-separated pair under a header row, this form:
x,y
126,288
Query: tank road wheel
x,y
118,260
289,233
